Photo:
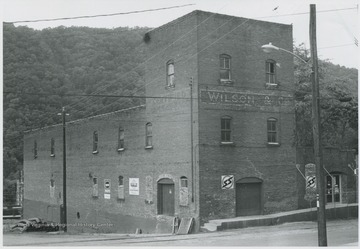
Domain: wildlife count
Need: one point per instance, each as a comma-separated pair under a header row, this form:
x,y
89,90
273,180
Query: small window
x,y
170,71
95,192
121,139
184,191
226,129
52,188
52,147
35,149
225,68
271,72
272,131
95,142
148,131
121,192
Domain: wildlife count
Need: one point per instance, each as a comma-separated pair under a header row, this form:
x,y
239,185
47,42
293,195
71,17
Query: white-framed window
x,y
148,136
272,131
225,68
170,74
270,67
95,142
226,123
121,137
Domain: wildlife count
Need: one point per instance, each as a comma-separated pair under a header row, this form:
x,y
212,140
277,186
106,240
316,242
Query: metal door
x,y
248,198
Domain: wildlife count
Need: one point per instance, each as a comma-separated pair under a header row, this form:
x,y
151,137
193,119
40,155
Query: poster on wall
x,y
133,186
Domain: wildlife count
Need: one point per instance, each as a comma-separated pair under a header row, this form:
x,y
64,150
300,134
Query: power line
x,y
113,14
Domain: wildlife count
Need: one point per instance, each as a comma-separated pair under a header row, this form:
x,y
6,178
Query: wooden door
x,y
248,198
166,199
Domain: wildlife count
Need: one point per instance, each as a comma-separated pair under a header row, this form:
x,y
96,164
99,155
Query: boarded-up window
x,y
121,191
52,188
149,190
184,191
95,192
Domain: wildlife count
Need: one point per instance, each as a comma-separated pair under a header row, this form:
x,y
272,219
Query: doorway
x,y
166,197
333,188
248,196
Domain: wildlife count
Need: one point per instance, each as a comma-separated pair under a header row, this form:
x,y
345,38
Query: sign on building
x,y
133,186
107,188
310,184
227,182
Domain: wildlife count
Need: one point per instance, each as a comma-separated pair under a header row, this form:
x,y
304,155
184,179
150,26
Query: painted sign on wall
x,y
241,98
134,186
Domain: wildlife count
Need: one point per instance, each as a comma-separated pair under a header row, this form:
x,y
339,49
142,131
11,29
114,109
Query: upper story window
x,y
272,133
95,142
225,68
52,147
226,129
148,134
270,72
121,139
35,149
170,74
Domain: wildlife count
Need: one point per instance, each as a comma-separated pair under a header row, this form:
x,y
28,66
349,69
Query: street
x,y
339,233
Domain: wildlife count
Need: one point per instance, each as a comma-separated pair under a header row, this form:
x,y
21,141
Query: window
x,y
121,139
52,147
184,191
270,72
95,192
272,131
52,188
170,71
95,142
35,150
225,67
148,131
121,191
226,129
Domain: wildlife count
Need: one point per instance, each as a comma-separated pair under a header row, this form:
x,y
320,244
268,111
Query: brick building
x,y
218,144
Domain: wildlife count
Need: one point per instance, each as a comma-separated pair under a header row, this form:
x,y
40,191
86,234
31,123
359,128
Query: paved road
x,y
340,233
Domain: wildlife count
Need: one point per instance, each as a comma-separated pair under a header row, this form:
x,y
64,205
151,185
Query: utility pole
x,y
320,186
63,114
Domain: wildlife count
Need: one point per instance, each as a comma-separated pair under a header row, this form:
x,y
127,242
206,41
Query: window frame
x,y
270,75
121,139
148,136
95,142
170,76
225,59
272,133
226,129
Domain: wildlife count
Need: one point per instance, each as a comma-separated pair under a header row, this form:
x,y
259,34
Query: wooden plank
x,y
185,225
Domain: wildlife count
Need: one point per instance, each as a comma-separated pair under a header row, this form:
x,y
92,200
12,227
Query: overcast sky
x,y
337,20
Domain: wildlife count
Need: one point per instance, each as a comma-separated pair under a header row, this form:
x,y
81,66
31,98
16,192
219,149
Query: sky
x,y
337,20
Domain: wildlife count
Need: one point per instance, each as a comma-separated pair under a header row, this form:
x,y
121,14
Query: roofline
x,y
88,118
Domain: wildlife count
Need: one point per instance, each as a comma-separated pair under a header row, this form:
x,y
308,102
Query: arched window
x,y
121,192
95,192
121,136
170,74
226,124
270,67
272,133
225,68
95,142
148,134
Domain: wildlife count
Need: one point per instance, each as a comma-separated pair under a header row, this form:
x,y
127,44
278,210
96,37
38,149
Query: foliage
x,y
60,61
339,119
